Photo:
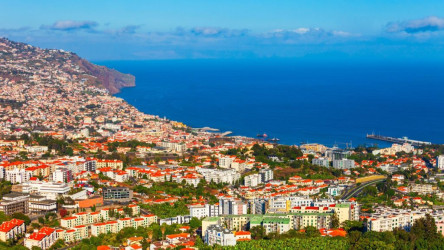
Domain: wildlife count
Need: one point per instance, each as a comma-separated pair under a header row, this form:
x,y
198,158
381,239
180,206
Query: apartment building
x,y
43,238
14,203
116,226
41,205
229,176
324,162
11,229
344,164
226,161
440,162
422,188
275,222
266,175
387,219
51,190
17,175
204,210
230,205
252,180
63,175
217,235
119,194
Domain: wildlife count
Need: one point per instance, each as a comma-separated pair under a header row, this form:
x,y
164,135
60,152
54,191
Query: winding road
x,y
358,189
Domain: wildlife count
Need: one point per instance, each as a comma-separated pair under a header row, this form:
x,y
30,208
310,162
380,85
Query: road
x,y
357,189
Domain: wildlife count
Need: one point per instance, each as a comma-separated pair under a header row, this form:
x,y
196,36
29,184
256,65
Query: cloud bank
x,y
134,41
69,25
428,24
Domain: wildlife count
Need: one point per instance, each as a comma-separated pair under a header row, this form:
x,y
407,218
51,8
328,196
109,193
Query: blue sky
x,y
166,29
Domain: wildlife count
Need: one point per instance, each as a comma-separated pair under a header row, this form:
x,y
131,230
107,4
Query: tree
x,y
425,228
3,217
311,231
23,217
163,229
354,237
93,208
195,223
63,212
35,225
370,190
128,211
335,221
257,232
150,234
57,245
350,225
41,220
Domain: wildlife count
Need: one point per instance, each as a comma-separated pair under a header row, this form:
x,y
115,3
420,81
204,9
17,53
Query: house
x,y
11,229
43,238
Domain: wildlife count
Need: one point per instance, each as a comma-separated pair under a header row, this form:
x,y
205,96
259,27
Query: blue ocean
x,y
297,101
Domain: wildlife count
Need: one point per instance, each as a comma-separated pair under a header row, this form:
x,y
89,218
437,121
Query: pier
x,y
398,140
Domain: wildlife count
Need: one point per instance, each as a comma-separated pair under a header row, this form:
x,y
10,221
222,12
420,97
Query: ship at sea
x,y
274,140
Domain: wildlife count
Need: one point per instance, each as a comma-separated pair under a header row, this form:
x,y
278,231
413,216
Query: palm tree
x,y
150,235
163,229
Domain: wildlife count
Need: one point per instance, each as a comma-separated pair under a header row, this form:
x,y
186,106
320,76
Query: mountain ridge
x,y
97,75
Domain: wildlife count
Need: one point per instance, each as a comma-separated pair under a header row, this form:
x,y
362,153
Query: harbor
x,y
397,140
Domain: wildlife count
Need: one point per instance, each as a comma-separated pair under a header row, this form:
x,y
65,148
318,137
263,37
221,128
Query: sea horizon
x,y
291,99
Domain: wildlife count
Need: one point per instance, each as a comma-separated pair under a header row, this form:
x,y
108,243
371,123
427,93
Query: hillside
x,y
21,62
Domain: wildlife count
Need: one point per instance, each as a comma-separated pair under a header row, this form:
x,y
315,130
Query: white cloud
x,y
428,24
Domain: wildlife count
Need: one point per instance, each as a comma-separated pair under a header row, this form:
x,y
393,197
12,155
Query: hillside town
x,y
83,169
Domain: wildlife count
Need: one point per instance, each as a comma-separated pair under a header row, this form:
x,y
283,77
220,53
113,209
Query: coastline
x,y
240,99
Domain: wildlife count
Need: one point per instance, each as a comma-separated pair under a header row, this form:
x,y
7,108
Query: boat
x,y
262,135
274,140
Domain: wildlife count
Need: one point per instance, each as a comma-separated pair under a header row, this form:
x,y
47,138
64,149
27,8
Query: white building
x,y
395,148
229,176
252,180
324,162
2,172
266,175
63,175
225,162
232,206
283,204
49,189
201,211
343,164
216,234
17,175
334,190
422,188
174,147
36,149
387,219
440,162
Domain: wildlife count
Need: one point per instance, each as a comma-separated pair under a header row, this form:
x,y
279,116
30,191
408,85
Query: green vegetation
x,y
61,146
286,158
5,188
133,144
423,235
20,216
182,190
293,243
11,245
283,152
153,232
57,245
382,194
166,210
